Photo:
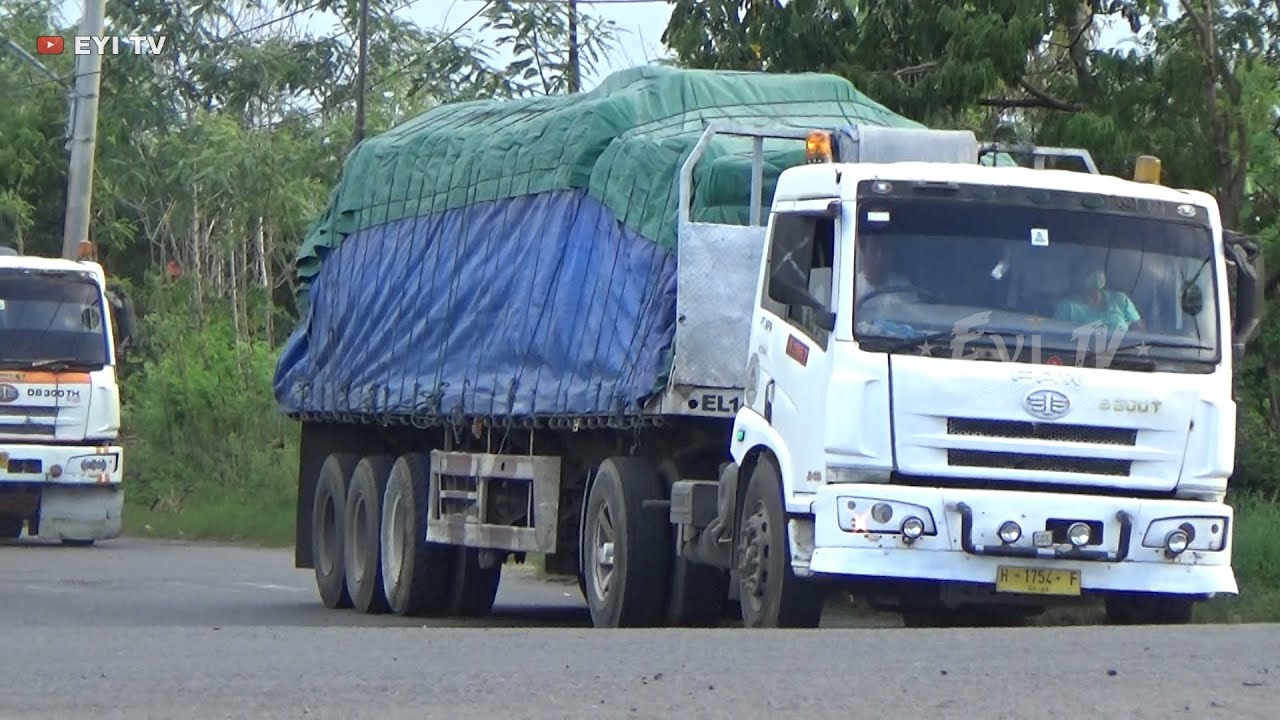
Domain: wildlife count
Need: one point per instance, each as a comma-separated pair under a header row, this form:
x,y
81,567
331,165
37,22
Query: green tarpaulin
x,y
623,142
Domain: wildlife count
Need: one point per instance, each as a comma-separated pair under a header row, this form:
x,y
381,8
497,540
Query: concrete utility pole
x,y
362,71
84,113
575,67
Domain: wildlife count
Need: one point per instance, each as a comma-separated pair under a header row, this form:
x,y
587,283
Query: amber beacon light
x,y
817,147
1147,169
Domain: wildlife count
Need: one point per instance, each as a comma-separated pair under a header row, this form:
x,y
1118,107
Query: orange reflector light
x,y
817,147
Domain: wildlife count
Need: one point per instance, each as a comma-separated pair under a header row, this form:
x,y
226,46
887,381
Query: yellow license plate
x,y
1037,581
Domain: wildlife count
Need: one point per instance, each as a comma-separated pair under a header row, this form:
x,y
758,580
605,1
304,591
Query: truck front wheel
x,y
626,558
327,521
770,593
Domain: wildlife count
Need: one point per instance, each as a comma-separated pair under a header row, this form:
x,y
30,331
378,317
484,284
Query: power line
x,y
273,21
383,78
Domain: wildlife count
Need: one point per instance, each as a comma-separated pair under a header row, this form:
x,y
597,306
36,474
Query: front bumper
x,y
62,464
965,547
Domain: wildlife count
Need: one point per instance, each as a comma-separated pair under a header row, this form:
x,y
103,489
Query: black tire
x,y
362,535
11,527
698,592
417,576
632,592
474,587
770,594
327,521
1149,609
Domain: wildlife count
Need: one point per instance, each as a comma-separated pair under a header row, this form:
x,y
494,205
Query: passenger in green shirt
x,y
1112,308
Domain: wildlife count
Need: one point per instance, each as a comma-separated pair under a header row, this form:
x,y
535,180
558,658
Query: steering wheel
x,y
925,295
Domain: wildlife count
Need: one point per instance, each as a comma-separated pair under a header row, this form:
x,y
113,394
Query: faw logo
x,y
8,393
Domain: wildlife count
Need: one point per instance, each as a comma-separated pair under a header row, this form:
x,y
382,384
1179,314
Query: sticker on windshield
x,y
877,216
1039,237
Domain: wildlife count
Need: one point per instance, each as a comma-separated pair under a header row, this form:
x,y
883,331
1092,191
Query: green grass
x,y
269,525
1257,564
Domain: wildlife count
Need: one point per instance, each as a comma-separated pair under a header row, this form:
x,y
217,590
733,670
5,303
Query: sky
x,y
639,23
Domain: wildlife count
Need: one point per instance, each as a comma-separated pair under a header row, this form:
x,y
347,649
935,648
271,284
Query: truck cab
x,y
61,334
991,387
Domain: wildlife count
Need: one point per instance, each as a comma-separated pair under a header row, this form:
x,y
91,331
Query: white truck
x,y
961,389
61,334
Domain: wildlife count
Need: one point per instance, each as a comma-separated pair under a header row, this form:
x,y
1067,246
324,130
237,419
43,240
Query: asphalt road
x,y
137,629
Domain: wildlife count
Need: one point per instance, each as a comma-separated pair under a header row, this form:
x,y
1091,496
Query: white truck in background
x,y
62,332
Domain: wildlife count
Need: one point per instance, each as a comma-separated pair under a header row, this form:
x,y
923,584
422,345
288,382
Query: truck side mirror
x,y
1245,254
786,288
123,319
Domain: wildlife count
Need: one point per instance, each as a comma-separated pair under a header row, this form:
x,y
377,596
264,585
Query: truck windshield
x,y
1037,277
50,320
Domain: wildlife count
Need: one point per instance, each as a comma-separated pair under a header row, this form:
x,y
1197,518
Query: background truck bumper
x,y
1129,557
76,490
79,512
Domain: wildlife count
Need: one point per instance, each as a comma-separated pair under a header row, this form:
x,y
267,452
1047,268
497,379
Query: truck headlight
x,y
1204,533
93,464
877,516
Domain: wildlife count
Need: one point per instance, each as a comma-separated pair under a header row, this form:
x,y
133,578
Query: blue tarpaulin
x,y
441,315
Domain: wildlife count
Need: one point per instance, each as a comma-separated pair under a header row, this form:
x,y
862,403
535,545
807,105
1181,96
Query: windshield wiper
x,y
1166,344
61,363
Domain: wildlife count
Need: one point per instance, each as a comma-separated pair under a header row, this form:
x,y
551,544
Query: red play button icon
x,y
49,45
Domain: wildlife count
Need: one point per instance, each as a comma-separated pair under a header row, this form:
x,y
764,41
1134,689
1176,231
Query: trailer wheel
x,y
770,593
362,559
416,575
626,548
1148,609
474,586
327,523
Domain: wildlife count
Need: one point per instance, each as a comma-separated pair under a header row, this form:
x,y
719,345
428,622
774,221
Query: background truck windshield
x,y
50,320
1037,277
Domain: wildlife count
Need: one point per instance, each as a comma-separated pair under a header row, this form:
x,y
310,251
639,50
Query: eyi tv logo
x,y
102,44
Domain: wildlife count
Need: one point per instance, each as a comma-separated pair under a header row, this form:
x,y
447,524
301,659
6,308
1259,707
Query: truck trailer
x,y
62,332
716,343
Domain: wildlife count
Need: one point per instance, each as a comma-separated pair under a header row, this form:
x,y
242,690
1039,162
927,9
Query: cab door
x,y
792,334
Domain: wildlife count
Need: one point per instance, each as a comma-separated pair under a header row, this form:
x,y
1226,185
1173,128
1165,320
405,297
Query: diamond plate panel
x,y
719,267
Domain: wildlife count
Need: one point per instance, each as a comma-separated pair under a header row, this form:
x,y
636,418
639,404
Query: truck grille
x,y
1038,463
28,421
1048,432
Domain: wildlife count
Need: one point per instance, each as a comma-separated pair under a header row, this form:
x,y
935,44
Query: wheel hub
x,y
328,538
396,533
358,539
602,546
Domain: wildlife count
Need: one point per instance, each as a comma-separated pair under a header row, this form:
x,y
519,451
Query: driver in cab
x,y
1096,304
876,280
